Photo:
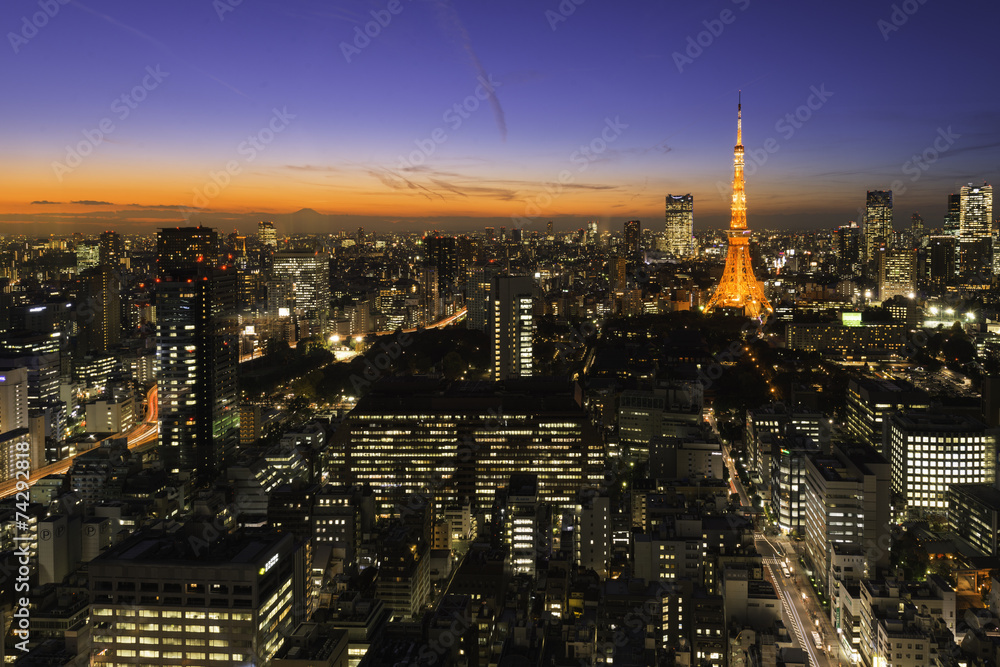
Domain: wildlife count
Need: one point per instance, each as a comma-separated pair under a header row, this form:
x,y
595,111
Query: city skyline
x,y
237,113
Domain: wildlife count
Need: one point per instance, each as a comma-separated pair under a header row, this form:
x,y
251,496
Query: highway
x,y
440,324
140,435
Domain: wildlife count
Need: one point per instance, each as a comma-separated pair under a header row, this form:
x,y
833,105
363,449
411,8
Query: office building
x,y
953,215
916,229
418,436
186,248
307,274
878,225
99,318
931,451
870,401
511,326
524,522
632,231
974,515
679,226
897,272
197,346
975,234
179,598
441,252
848,247
942,256
847,504
111,250
267,235
478,300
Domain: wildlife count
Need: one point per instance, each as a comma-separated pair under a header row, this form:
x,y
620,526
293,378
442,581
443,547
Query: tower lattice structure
x,y
739,288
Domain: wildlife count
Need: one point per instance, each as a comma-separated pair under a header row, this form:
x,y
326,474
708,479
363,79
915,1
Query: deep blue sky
x,y
557,89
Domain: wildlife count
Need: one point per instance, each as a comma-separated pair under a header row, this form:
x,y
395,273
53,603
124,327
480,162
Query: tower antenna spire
x,y
739,120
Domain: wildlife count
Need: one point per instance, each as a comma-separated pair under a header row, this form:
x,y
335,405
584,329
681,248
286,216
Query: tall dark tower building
x,y
111,249
878,225
917,228
632,228
441,252
186,248
511,326
101,329
953,218
847,246
198,351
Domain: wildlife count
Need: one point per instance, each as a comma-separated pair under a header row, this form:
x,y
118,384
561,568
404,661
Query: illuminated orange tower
x,y
738,288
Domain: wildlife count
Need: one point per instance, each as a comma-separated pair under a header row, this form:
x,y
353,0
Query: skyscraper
x,y
267,235
632,229
198,349
511,326
897,273
878,225
917,228
680,225
739,289
185,248
478,300
441,252
308,273
111,249
847,246
953,218
975,230
101,328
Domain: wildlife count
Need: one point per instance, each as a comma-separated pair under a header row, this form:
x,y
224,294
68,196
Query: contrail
x,y
451,20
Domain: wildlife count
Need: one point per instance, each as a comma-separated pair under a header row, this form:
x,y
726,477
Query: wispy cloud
x,y
43,201
91,202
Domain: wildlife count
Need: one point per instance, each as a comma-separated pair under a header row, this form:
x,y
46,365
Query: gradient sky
x,y
894,93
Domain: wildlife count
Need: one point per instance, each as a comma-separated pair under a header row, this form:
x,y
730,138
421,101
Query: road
x,y
440,324
139,436
795,602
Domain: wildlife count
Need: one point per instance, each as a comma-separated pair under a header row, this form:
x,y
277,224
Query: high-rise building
x,y
953,216
916,229
267,235
13,399
848,246
738,289
184,598
308,275
478,301
897,273
198,349
441,252
878,225
182,248
111,249
524,527
679,227
100,326
942,260
930,451
511,326
976,230
632,231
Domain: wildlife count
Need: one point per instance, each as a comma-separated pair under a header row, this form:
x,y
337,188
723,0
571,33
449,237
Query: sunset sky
x,y
127,115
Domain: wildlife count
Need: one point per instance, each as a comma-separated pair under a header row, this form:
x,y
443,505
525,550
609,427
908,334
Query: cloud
x,y
46,202
91,202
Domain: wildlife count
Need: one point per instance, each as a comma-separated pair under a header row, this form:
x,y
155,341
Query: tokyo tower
x,y
739,289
